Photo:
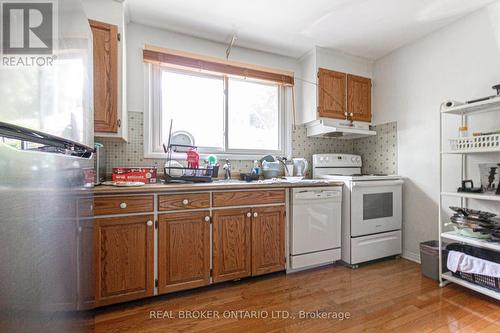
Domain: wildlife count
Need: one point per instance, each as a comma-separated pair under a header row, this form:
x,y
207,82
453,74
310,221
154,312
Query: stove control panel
x,y
336,160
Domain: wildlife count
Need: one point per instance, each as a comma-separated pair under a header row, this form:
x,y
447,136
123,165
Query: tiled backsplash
x,y
379,153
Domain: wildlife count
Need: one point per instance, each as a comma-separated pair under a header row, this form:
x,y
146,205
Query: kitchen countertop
x,y
216,185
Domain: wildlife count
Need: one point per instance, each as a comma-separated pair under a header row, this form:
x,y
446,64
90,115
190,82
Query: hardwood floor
x,y
388,296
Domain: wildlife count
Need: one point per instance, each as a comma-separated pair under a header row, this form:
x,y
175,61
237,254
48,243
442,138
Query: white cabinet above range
x,y
336,94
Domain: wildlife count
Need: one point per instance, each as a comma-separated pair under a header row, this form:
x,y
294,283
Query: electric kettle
x,y
300,166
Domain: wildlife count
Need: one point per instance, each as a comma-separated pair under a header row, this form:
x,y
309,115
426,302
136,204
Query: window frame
x,y
153,117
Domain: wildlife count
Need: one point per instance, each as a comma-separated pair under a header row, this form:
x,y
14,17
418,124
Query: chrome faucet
x,y
227,169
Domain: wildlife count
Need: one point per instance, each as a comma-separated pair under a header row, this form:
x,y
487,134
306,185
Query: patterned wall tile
x,y
378,152
305,147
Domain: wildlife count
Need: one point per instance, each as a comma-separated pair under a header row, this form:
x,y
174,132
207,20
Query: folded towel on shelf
x,y
458,261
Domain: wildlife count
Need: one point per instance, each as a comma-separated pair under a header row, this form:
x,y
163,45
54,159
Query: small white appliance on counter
x,y
316,230
371,208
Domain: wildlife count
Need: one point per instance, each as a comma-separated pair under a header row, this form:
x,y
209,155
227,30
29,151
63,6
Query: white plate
x,y
182,138
293,179
174,172
124,184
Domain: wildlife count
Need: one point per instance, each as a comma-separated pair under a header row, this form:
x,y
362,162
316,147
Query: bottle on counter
x,y
256,168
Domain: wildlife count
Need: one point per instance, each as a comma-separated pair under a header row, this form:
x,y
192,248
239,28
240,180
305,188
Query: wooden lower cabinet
x,y
268,240
124,258
232,244
183,251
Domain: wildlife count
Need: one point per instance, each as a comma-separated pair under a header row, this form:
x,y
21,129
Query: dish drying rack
x,y
192,175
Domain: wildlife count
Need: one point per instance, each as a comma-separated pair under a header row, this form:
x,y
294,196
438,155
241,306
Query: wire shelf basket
x,y
476,143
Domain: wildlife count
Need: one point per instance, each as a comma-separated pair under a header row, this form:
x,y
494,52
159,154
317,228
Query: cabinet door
x,y
105,76
359,98
268,240
331,94
124,262
183,251
231,244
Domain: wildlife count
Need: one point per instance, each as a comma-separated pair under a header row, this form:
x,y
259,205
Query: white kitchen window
x,y
232,117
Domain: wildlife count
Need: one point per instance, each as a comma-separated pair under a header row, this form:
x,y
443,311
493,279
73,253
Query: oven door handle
x,y
377,183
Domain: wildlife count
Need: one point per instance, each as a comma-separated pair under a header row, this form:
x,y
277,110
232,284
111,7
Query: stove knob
x,y
358,159
353,159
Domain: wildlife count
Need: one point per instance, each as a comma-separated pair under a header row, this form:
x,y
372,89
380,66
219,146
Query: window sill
x,y
220,156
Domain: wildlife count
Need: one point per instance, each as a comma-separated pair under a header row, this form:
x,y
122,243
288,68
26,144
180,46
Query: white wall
x,y
139,35
461,61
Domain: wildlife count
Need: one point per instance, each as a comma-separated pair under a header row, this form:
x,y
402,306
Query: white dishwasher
x,y
316,226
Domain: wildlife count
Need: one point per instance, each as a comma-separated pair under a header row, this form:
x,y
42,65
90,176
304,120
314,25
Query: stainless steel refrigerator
x,y
46,180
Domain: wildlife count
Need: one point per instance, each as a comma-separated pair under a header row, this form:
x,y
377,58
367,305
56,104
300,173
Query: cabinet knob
x,y
185,202
255,214
123,205
207,218
149,223
249,214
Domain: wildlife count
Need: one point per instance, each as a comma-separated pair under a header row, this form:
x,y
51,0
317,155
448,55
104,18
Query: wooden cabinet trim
x,y
359,97
105,42
104,298
197,244
268,245
237,249
247,198
332,93
123,204
173,202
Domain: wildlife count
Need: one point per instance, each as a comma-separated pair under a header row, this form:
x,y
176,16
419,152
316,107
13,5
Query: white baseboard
x,y
412,256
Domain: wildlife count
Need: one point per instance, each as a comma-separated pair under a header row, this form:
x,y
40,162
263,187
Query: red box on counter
x,y
146,175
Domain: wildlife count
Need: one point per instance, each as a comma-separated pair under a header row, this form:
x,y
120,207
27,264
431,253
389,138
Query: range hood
x,y
331,128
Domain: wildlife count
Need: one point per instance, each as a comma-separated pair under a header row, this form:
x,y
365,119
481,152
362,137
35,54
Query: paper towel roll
x,y
451,104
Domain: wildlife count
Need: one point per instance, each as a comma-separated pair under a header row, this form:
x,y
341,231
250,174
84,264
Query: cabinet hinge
x,y
119,122
156,224
119,36
156,283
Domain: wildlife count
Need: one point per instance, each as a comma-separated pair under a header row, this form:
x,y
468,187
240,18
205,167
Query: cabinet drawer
x,y
123,205
248,198
183,201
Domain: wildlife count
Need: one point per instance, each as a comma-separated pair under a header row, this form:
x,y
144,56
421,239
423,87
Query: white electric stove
x,y
371,208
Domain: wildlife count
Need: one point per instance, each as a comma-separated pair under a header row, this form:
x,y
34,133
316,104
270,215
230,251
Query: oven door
x,y
375,206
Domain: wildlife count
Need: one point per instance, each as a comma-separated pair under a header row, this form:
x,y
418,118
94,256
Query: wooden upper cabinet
x,y
105,77
359,98
331,94
183,251
232,244
268,240
124,258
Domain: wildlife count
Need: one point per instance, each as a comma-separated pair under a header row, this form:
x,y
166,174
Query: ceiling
x,y
366,28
